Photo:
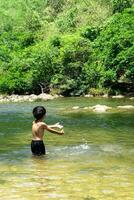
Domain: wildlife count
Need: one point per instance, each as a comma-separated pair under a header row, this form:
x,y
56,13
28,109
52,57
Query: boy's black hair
x,y
39,112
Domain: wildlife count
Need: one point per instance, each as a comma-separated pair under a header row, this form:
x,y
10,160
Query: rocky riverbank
x,y
113,97
44,97
28,98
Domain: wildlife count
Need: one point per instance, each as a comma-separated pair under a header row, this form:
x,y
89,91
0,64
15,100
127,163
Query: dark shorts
x,y
38,147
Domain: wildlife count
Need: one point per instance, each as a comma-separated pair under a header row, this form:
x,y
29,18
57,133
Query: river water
x,y
94,160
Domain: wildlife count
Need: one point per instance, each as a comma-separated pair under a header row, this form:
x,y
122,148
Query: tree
x,y
114,49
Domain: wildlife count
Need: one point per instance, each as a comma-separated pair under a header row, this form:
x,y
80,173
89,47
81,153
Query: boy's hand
x,y
58,125
62,132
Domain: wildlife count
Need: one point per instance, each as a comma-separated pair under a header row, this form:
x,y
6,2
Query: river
x,y
93,160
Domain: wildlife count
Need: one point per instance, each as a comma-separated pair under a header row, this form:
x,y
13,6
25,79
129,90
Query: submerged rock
x,y
96,108
126,107
105,96
88,95
118,97
85,108
100,108
75,107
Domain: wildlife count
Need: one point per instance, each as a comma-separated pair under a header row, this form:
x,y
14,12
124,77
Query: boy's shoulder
x,y
43,124
39,123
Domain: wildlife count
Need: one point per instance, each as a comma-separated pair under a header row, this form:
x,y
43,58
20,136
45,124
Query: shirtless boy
x,y
38,128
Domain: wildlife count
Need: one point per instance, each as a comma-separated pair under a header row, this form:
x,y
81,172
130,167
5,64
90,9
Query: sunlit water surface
x,y
94,160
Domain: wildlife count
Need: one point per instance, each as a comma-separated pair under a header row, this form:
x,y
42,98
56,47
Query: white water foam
x,y
71,150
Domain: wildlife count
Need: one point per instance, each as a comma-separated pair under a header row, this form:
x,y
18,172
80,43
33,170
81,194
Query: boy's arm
x,y
53,130
57,125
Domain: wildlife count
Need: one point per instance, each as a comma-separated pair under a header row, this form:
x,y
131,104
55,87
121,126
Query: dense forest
x,y
68,47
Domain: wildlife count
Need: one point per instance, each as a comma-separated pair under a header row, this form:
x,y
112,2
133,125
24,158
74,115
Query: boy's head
x,y
39,112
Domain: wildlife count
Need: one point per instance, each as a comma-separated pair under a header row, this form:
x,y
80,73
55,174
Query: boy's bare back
x,y
37,130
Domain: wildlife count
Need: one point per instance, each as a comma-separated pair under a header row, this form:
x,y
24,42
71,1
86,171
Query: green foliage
x,y
28,71
67,22
33,21
55,41
71,77
69,47
120,5
91,33
56,5
115,50
98,91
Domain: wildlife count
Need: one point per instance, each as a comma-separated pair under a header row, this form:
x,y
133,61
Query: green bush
x,y
56,5
98,91
114,49
120,5
28,71
91,33
71,77
67,22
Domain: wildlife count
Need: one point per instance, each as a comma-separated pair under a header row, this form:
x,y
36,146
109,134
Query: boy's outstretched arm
x,y
57,125
53,130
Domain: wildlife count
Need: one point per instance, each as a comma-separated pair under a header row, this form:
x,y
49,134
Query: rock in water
x,y
118,97
126,107
75,107
100,108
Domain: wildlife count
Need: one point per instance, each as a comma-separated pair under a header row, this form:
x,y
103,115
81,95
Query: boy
x,y
38,128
